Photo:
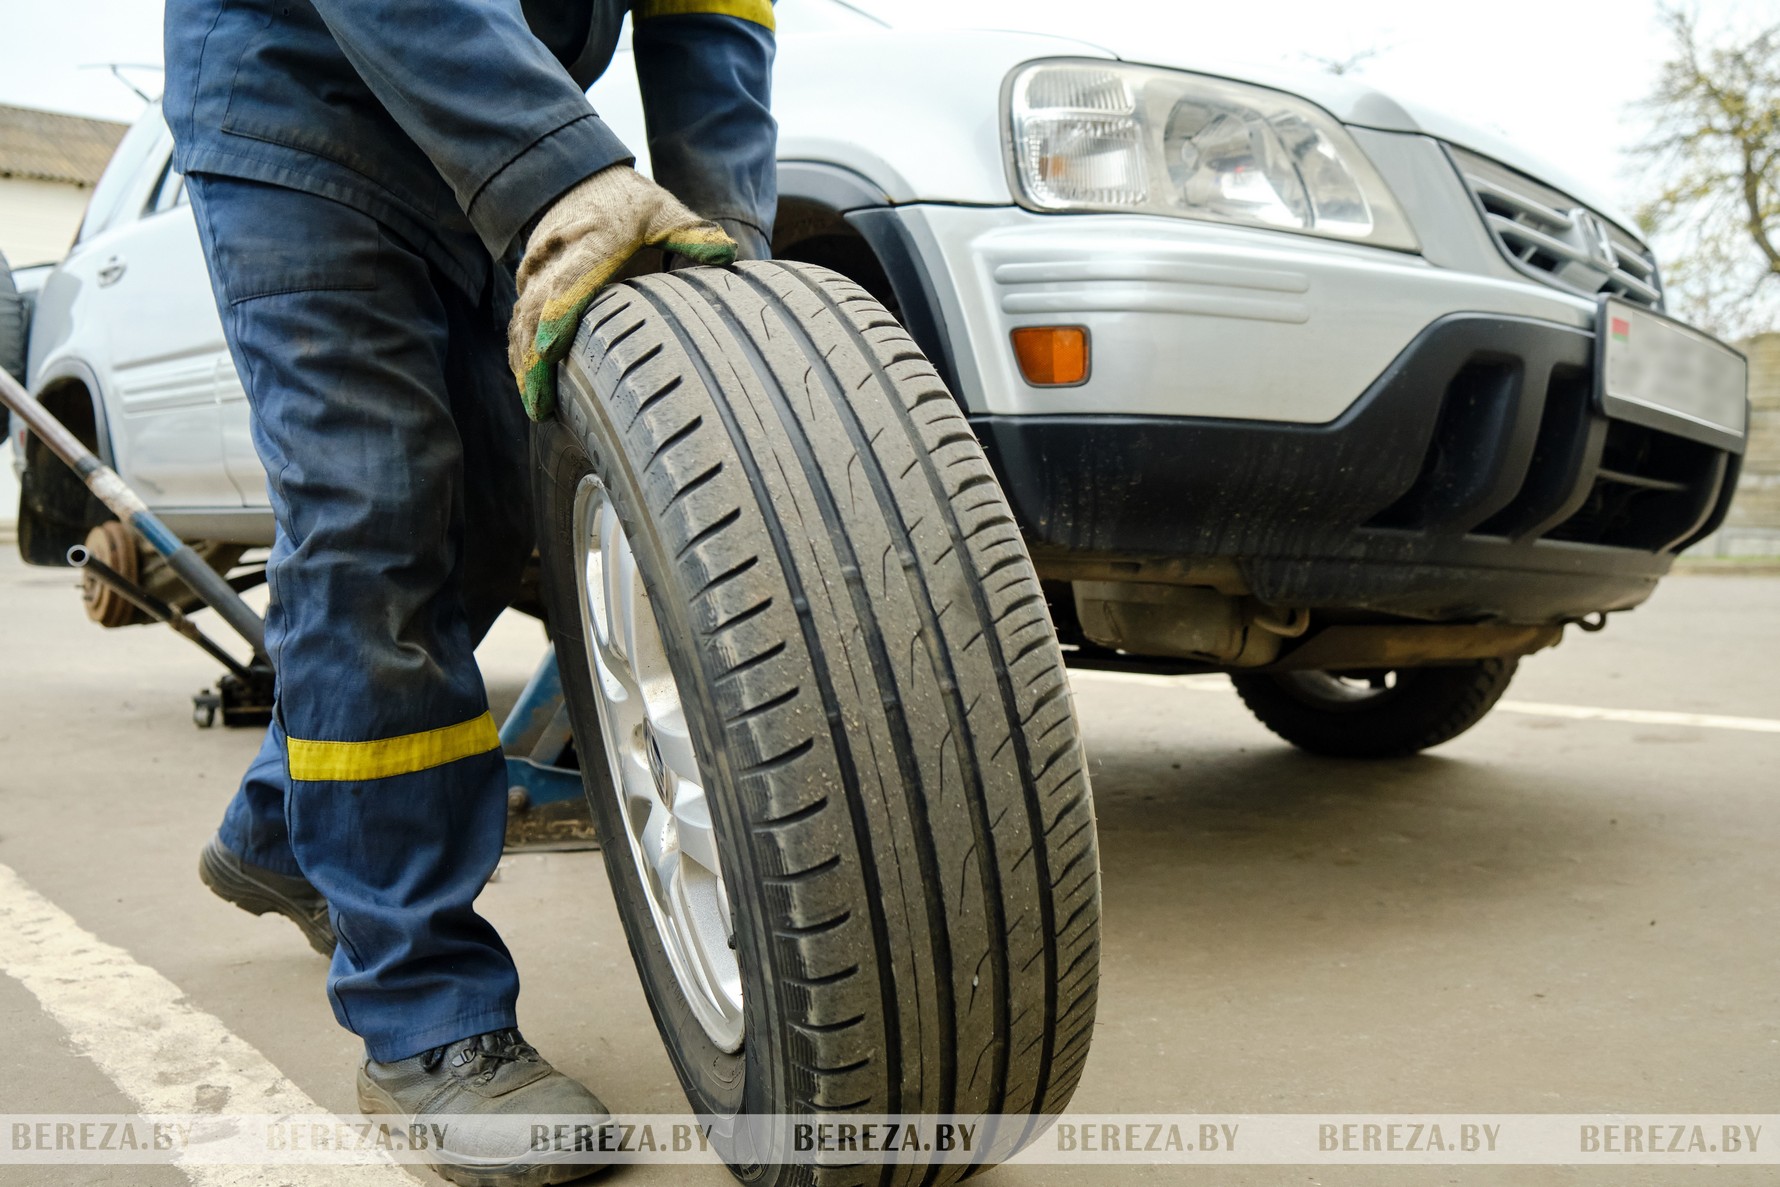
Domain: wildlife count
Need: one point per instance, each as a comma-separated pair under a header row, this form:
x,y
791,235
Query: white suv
x,y
1282,377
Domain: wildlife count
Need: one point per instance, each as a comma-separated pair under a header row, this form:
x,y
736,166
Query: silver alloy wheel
x,y
655,772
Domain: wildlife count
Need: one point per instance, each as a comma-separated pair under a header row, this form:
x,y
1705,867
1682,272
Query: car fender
x,y
61,373
915,112
866,209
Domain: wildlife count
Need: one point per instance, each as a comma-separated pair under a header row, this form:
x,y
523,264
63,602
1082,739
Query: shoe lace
x,y
495,1048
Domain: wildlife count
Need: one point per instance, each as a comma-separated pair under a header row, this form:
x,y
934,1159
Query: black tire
x,y
1422,707
12,335
874,688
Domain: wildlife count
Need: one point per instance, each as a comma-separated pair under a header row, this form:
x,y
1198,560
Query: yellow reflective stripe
x,y
758,11
329,762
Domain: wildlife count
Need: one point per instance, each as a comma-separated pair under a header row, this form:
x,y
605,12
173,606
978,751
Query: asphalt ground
x,y
1556,913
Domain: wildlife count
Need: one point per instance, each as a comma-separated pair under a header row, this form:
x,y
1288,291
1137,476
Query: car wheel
x,y
1375,714
843,805
12,333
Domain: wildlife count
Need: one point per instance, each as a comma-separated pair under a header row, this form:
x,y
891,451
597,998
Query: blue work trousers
x,y
396,454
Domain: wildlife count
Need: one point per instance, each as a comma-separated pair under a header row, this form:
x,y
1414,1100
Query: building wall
x,y
38,219
1753,526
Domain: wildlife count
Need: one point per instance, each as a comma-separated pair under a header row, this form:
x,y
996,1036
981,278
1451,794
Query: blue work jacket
x,y
445,117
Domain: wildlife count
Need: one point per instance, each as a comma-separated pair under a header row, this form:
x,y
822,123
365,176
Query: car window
x,y
123,175
168,192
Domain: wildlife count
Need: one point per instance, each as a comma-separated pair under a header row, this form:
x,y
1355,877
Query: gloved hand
x,y
581,243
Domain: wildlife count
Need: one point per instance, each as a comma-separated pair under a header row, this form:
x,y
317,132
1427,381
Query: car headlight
x,y
1110,137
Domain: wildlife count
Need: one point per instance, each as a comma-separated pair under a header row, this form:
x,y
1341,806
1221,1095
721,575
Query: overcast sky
x,y
1560,76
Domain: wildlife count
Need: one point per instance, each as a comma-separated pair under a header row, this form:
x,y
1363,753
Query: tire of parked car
x,y
843,802
12,334
1381,714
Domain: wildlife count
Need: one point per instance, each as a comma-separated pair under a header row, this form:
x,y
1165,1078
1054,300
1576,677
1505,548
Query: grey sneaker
x,y
479,1096
258,890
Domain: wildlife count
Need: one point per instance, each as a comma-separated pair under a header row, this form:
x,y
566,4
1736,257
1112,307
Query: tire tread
x,y
890,705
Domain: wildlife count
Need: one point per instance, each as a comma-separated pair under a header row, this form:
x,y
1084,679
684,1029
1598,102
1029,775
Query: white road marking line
x,y
1711,721
164,1053
1212,682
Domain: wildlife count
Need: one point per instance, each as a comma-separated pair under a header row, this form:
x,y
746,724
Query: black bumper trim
x,y
1474,480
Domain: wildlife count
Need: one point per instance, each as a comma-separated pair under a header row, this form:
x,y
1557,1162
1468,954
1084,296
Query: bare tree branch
x,y
1348,63
1711,158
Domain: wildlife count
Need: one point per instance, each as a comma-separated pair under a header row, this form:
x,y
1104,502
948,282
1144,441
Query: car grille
x,y
1552,238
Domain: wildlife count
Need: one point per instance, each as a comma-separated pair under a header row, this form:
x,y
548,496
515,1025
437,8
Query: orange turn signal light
x,y
1052,356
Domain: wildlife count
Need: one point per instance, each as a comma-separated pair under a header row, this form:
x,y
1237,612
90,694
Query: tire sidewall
x,y
582,441
1382,702
12,336
817,528
1418,692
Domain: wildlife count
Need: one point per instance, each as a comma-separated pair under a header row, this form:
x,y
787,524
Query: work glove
x,y
580,243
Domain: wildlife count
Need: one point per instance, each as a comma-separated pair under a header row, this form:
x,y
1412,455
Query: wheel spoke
x,y
630,603
692,814
610,554
659,848
613,665
639,790
674,741
660,788
617,682
717,971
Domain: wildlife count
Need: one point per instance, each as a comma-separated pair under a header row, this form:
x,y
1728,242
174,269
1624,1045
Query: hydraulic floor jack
x,y
545,805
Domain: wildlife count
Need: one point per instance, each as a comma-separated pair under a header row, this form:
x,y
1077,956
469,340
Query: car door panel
x,y
239,456
150,292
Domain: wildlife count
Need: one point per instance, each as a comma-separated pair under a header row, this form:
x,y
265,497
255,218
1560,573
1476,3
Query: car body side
x,y
1288,419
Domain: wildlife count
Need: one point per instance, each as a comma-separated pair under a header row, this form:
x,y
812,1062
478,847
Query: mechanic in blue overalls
x,y
365,175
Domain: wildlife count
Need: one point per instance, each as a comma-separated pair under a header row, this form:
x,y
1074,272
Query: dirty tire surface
x,y
1427,707
876,693
12,331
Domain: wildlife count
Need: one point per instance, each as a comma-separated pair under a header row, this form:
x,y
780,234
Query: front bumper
x,y
1192,318
1476,479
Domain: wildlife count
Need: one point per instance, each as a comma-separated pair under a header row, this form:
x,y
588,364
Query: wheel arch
x,y
55,508
842,220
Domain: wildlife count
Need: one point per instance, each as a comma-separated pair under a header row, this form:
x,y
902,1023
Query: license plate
x,y
1657,372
